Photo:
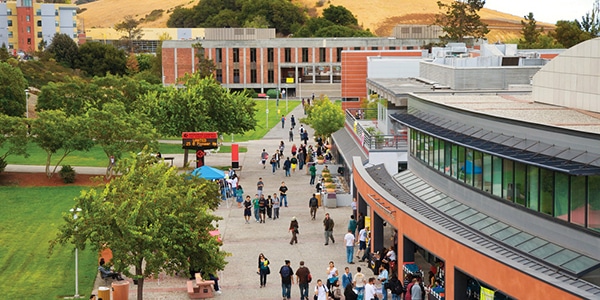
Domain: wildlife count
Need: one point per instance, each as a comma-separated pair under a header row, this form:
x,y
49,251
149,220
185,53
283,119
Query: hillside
x,y
380,16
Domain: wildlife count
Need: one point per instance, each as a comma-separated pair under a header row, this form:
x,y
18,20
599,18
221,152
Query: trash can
x,y
121,290
331,200
104,293
318,196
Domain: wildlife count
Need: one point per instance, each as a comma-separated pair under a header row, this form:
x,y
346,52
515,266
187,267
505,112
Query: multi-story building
x,y
24,24
500,196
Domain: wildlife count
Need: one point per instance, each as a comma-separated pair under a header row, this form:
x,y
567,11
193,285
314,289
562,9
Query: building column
x,y
377,232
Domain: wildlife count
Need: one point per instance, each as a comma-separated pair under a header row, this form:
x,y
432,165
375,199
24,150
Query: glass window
x,y
236,75
338,54
357,48
436,153
10,23
28,29
455,170
430,150
10,35
546,191
561,195
461,163
27,18
520,183
487,173
322,54
508,186
39,23
252,54
218,55
304,54
375,48
441,156
594,203
219,75
236,55
478,169
9,12
448,158
392,48
39,34
270,55
497,176
533,192
288,54
577,211
252,75
469,167
270,76
38,12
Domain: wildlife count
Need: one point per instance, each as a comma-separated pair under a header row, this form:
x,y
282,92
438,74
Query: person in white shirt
x,y
349,238
359,281
370,289
321,290
362,241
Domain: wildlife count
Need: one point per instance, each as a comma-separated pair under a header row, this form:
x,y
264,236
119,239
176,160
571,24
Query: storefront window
x,y
487,173
461,163
448,158
477,169
497,176
520,183
546,191
508,185
594,203
561,195
455,169
430,150
439,154
533,192
577,211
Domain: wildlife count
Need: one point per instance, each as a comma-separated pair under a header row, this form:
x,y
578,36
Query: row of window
x,y
253,76
39,23
575,199
287,52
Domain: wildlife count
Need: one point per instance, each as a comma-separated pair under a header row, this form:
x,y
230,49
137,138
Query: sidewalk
x,y
245,241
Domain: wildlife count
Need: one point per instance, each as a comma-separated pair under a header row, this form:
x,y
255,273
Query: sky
x,y
548,11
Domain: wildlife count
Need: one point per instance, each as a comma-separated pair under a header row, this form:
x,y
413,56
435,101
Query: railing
x,y
355,118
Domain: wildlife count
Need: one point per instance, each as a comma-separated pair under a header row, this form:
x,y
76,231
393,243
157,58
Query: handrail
x,y
370,141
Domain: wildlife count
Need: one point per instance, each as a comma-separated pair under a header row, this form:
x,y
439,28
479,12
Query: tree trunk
x,y
140,286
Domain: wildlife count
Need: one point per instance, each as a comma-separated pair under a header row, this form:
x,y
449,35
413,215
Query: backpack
x,y
285,272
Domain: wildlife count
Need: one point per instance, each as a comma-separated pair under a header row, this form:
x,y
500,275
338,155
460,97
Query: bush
x,y
67,173
3,164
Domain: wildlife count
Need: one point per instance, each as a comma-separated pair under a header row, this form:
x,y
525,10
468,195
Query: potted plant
x,y
320,159
330,187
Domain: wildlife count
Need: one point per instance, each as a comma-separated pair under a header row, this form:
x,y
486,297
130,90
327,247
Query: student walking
x,y
328,226
287,279
247,209
294,230
276,205
303,277
313,203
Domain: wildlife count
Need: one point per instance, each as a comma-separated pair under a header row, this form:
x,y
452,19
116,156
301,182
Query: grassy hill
x,y
380,16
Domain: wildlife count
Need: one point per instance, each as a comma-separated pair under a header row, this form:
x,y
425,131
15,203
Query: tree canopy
x,y
64,49
530,32
129,26
13,138
97,59
152,219
12,90
460,20
325,117
340,15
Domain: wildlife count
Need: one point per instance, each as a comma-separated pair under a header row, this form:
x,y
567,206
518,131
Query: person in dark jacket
x,y
349,293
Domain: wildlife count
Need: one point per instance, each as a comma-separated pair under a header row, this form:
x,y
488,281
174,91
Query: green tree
x,y
205,67
590,22
13,138
203,105
530,32
4,55
12,90
130,27
118,131
64,49
97,59
569,33
325,117
157,62
152,219
53,131
460,20
257,22
181,18
340,15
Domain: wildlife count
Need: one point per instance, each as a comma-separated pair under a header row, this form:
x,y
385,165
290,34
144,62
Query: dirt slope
x,y
380,16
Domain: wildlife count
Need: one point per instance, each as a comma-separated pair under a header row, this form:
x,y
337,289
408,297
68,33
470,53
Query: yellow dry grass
x,y
380,16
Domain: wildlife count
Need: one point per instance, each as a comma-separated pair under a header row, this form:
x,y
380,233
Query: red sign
x,y
263,95
199,135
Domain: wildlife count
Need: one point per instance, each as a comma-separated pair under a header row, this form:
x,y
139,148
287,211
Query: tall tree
x,y
97,59
325,117
4,55
152,219
590,22
53,131
118,131
130,27
64,49
339,15
13,138
530,32
205,67
460,20
203,105
12,91
569,33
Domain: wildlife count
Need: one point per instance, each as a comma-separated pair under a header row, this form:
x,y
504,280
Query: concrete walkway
x,y
245,241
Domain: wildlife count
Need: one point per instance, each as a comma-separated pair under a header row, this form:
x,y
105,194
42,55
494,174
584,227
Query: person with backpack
x,y
395,287
313,203
287,279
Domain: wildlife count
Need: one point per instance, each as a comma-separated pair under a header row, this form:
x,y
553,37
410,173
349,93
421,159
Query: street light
x,y
27,103
74,211
267,111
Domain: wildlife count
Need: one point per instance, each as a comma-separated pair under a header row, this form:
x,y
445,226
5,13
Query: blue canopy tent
x,y
208,172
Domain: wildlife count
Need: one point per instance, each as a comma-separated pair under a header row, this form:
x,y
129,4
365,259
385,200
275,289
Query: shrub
x,y
67,173
3,164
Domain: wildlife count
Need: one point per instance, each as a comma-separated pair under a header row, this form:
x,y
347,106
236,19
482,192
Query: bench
x,y
198,289
171,159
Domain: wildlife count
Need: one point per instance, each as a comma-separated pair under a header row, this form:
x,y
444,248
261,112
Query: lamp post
x,y
27,103
300,87
267,111
74,211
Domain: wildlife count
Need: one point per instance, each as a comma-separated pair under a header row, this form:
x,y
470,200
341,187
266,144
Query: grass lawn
x,y
29,218
275,113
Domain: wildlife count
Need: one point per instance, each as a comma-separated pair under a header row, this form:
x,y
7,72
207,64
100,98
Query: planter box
x,y
331,201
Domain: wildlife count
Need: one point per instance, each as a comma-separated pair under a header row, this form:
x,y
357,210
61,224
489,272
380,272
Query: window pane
x,y
438,145
594,202
561,195
461,163
477,169
533,182
487,172
469,167
546,191
448,158
577,211
508,188
497,176
431,149
454,168
520,183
